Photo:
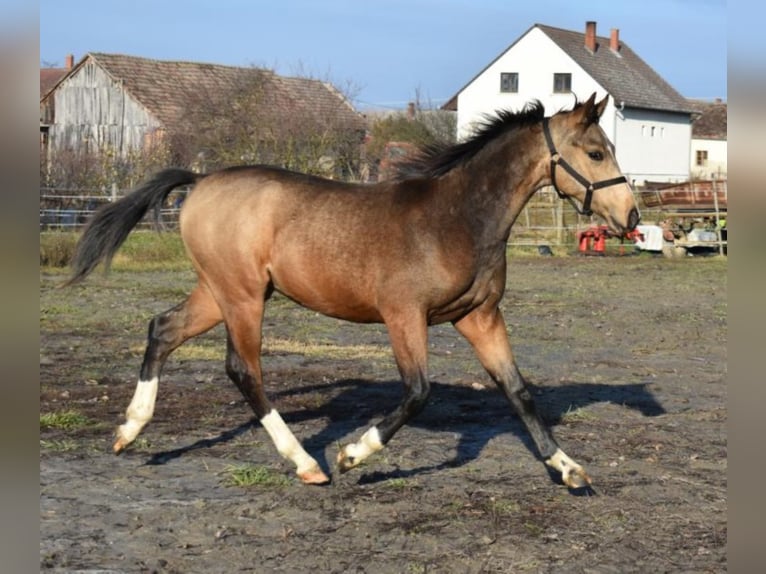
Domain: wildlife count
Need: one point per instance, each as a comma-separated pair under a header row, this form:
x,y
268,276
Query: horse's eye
x,y
595,155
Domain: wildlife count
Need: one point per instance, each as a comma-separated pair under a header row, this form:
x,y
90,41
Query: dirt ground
x,y
627,359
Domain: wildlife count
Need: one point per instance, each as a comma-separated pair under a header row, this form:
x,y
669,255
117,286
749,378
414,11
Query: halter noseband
x,y
556,159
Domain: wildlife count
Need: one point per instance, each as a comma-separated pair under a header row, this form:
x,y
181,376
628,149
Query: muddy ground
x,y
627,358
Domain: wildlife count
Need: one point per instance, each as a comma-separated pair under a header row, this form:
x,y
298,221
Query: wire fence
x,y
71,209
545,220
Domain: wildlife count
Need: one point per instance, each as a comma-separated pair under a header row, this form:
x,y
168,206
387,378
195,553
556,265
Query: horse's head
x,y
583,166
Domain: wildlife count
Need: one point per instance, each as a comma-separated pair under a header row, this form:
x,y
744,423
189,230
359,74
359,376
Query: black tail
x,y
111,224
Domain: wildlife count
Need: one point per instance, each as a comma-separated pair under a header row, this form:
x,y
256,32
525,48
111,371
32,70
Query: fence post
x,y
718,233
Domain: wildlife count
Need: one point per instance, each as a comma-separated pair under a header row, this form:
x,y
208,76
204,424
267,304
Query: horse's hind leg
x,y
244,332
485,330
166,332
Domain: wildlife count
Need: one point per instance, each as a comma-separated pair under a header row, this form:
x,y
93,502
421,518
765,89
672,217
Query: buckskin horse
x,y
425,248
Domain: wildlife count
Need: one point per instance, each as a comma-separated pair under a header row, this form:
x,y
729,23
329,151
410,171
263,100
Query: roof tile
x,y
622,73
168,89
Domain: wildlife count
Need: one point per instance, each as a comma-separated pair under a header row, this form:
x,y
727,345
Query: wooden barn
x,y
119,103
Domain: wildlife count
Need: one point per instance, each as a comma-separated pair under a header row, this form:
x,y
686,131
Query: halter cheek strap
x,y
590,187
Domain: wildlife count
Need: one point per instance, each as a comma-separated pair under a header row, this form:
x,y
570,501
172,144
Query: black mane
x,y
437,159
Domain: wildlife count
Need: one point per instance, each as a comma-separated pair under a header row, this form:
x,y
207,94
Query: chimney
x,y
614,40
69,61
590,35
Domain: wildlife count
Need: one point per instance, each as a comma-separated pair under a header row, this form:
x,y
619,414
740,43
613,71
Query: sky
x,y
384,53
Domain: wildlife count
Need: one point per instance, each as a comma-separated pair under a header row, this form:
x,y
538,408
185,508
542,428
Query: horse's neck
x,y
497,183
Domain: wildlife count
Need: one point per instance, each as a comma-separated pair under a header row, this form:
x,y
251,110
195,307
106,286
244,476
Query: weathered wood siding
x,y
94,113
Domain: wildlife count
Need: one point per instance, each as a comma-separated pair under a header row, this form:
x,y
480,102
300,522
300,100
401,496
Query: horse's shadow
x,y
475,416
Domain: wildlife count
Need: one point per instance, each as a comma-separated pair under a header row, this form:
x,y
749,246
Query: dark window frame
x,y
562,83
509,82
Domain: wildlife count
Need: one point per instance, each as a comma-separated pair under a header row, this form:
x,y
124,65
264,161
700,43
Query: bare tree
x,y
420,125
231,116
100,171
259,117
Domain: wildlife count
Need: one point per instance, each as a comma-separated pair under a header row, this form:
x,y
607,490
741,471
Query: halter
x,y
556,159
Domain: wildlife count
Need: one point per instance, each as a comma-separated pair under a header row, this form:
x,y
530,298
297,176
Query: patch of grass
x,y
141,444
64,445
143,250
196,352
577,415
146,249
206,352
65,420
534,530
253,475
505,507
329,351
54,312
398,483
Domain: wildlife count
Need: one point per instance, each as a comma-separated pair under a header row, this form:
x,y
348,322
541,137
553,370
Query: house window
x,y
701,157
562,83
509,82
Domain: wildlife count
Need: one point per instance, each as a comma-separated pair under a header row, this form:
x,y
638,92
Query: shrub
x,y
57,248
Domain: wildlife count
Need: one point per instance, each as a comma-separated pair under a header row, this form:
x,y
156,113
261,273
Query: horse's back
x,y
306,235
310,207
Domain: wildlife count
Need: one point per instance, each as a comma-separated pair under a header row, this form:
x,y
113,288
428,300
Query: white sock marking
x,y
561,462
140,410
368,444
286,443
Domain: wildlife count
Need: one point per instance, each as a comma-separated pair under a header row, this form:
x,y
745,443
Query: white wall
x,y
535,57
716,166
661,155
653,145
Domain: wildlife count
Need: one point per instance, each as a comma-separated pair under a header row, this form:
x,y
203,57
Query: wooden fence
x,y
546,219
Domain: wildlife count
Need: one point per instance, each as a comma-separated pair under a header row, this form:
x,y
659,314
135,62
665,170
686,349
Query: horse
x,y
424,248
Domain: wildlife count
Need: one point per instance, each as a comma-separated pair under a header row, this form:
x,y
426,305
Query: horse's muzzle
x,y
633,218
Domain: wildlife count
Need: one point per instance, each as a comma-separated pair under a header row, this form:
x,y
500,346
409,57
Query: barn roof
x,y
167,89
622,73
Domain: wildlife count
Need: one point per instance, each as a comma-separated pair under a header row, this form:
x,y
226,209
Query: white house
x,y
647,120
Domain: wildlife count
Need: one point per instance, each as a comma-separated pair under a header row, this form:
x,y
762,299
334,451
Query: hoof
x,y
119,445
345,462
313,476
576,479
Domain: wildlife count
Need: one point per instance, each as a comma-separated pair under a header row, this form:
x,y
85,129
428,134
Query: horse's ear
x,y
591,111
601,106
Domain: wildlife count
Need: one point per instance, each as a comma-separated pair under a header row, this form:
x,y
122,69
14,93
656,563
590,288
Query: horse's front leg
x,y
408,333
485,329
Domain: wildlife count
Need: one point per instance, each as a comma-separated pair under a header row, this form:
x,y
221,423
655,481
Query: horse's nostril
x,y
633,218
